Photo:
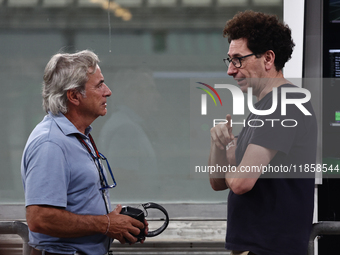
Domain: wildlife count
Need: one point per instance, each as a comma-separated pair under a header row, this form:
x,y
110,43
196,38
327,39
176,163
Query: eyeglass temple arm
x,y
108,166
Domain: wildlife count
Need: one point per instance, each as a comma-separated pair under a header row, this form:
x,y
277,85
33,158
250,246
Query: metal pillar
x,y
322,228
18,228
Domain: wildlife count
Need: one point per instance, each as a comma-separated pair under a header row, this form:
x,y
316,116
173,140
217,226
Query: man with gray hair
x,y
66,189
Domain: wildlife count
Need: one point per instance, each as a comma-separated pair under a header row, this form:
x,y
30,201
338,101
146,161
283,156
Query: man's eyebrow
x,y
100,82
236,55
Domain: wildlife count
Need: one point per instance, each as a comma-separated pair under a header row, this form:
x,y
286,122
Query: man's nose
x,y
231,69
108,91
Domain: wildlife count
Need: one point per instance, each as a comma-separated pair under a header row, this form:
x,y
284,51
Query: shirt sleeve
x,y
47,176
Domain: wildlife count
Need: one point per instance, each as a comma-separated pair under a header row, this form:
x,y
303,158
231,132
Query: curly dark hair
x,y
263,32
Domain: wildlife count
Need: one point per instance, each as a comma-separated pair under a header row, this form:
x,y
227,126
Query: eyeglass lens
x,y
236,62
107,186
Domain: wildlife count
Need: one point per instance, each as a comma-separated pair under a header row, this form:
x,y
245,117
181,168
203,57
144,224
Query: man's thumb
x,y
118,209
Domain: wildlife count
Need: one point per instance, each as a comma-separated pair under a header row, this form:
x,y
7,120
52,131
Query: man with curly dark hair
x,y
263,32
271,215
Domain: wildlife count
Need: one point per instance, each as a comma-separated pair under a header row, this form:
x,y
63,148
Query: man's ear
x,y
73,96
269,58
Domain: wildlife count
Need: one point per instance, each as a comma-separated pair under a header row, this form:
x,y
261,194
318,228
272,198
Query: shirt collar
x,y
67,126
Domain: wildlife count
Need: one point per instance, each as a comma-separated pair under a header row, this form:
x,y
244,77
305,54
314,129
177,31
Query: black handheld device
x,y
139,215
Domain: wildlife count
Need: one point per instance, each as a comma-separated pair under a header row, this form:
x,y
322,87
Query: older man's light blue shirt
x,y
57,170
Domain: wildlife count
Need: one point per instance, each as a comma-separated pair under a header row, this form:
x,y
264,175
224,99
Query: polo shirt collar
x,y
67,126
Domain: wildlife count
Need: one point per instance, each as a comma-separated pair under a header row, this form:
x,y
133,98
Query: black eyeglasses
x,y
105,184
236,60
98,158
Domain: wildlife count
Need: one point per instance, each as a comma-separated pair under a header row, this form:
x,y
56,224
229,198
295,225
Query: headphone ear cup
x,y
166,222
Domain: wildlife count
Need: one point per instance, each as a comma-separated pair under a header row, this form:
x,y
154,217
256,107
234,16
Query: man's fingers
x,y
124,227
135,227
130,238
121,239
135,231
137,223
229,126
215,137
146,224
225,136
222,134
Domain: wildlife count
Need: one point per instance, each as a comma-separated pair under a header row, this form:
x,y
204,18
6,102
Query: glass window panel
x,y
129,3
22,3
196,2
88,3
147,62
267,2
232,2
23,61
55,3
162,2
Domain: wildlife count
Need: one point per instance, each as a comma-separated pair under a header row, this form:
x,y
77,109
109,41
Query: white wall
x,y
293,15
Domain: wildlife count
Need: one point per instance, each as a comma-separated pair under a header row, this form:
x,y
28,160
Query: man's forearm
x,y
217,157
63,224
